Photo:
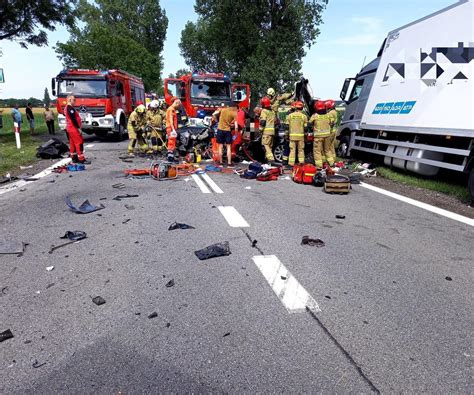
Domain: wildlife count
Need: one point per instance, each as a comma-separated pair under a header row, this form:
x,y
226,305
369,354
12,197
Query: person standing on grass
x,y
16,115
49,119
30,117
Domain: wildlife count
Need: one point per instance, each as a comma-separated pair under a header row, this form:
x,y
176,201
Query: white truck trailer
x,y
414,103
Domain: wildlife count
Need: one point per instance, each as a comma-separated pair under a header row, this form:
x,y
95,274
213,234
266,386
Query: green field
x,y
10,157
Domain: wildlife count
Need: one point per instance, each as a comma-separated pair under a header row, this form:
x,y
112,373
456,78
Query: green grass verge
x,y
12,158
456,190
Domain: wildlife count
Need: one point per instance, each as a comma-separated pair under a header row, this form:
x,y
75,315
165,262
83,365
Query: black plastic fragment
x,y
98,300
74,235
340,216
168,324
127,196
37,365
177,225
170,283
84,208
448,278
254,243
153,315
6,335
226,334
213,251
283,277
312,242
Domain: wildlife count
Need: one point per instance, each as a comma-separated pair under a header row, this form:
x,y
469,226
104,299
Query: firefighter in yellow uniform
x,y
136,130
297,122
331,108
267,127
322,123
154,119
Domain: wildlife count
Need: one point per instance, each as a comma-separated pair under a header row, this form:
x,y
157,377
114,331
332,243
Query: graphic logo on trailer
x,y
399,107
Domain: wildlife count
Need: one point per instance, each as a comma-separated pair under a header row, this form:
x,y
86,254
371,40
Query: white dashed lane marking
x,y
233,217
206,183
287,288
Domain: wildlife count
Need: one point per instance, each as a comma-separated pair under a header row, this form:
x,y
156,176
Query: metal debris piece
x,y
74,235
153,315
127,196
84,208
312,242
214,250
177,225
6,335
170,283
98,300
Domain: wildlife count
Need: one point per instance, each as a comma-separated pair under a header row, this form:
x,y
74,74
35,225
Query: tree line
x,y
260,42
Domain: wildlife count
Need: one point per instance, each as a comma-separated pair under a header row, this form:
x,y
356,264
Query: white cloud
x,y
368,31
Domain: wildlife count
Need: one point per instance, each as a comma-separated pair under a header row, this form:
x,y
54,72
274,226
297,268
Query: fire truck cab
x,y
202,93
104,99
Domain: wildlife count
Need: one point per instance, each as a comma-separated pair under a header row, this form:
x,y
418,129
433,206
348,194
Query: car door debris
x,y
84,208
213,251
312,242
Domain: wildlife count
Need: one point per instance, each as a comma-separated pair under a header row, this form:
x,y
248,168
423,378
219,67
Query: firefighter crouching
x,y
74,132
136,130
267,127
331,109
297,123
322,123
172,127
154,119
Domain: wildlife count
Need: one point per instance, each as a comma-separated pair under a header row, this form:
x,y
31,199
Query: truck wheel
x,y
343,147
278,153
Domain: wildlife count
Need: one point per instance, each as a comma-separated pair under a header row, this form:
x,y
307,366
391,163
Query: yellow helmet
x,y
140,109
270,92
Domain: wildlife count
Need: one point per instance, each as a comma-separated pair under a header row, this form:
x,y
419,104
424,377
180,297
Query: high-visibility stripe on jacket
x,y
323,124
268,128
297,122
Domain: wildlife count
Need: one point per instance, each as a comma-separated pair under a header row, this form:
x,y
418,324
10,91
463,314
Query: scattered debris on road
x,y
49,268
98,300
84,208
12,247
37,365
153,315
312,242
168,324
340,216
448,278
213,251
129,207
177,225
126,220
283,277
119,185
170,283
127,196
74,235
6,335
226,334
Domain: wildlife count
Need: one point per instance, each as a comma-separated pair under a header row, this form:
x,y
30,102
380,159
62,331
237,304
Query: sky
x,y
353,30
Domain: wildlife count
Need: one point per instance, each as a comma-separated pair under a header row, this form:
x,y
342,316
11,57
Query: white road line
x,y
290,292
425,206
212,184
44,173
89,145
233,217
200,183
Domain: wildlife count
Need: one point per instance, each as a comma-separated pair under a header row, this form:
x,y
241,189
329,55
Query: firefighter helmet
x,y
298,105
265,102
271,92
154,104
330,104
140,109
319,105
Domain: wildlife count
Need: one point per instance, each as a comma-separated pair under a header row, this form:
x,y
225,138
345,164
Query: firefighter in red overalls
x,y
73,129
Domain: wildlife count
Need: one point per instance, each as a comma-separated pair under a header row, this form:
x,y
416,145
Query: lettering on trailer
x,y
394,107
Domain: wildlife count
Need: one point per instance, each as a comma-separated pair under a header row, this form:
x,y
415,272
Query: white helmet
x,y
270,92
154,104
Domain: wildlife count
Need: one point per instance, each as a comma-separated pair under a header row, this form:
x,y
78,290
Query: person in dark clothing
x,y
30,117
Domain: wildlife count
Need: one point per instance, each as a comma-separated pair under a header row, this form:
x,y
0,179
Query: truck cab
x,y
202,93
104,99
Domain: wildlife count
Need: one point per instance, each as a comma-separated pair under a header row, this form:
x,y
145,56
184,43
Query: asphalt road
x,y
383,316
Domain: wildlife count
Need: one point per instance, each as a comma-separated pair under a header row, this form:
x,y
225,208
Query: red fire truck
x,y
202,93
104,99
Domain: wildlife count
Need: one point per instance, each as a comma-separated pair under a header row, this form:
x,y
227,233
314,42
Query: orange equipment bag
x,y
309,171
